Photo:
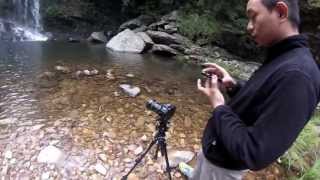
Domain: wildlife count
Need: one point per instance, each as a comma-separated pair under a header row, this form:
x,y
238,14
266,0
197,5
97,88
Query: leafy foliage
x,y
306,145
197,26
313,173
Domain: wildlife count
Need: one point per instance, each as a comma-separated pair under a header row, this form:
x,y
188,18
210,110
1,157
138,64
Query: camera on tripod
x,y
165,111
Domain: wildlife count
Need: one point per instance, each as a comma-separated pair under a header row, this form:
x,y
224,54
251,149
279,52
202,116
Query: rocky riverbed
x,y
64,124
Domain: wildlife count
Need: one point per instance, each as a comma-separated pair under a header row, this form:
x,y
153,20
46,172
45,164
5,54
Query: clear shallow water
x,y
90,115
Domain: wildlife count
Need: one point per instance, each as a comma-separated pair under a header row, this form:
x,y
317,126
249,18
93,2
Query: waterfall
x,y
22,21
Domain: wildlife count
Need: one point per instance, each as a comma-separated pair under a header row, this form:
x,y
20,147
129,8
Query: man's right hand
x,y
212,68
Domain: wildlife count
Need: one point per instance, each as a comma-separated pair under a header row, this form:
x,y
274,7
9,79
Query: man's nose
x,y
249,27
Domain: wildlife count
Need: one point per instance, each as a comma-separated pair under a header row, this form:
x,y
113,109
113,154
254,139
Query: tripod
x,y
160,140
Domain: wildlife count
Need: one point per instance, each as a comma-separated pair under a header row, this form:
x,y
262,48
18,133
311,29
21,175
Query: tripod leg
x,y
139,160
156,154
164,151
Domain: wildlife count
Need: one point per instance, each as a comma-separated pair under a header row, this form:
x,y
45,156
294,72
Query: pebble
x,y
138,150
45,176
8,154
103,157
101,169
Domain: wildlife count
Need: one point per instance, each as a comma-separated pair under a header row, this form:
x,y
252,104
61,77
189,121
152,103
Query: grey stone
x,y
163,38
97,37
130,90
62,69
163,50
51,154
175,157
146,38
127,41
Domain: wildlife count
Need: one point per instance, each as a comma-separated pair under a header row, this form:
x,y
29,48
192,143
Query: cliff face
x,y
310,12
84,16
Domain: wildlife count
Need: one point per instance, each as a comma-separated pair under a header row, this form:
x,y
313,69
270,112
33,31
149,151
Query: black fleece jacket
x,y
265,116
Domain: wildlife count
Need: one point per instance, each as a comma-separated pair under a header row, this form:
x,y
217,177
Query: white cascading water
x,y
25,21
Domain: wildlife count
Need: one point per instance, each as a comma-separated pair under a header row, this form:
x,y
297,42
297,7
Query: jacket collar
x,y
285,45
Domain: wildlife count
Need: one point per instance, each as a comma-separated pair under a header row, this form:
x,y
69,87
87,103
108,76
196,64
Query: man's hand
x,y
211,89
221,73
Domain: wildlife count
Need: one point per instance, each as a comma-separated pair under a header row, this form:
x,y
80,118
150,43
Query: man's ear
x,y
282,9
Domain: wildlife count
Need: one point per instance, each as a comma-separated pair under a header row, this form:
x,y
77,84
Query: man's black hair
x,y
293,5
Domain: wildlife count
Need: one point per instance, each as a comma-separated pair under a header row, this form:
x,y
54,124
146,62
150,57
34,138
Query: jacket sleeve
x,y
284,114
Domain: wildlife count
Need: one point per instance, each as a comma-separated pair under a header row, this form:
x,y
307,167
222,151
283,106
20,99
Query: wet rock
x,y
45,176
163,50
138,150
175,157
96,177
130,90
178,47
171,28
143,28
146,39
97,37
163,38
133,176
8,154
47,75
73,40
51,154
103,157
7,121
86,72
100,169
127,41
130,75
62,69
144,138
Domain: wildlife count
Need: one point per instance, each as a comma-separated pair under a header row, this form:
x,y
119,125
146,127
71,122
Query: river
x,y
89,119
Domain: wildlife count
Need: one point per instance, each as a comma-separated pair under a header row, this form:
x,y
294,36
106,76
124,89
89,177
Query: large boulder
x,y
97,37
127,41
164,50
146,39
163,38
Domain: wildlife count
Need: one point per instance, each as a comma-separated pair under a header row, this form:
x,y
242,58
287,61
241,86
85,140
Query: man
x,y
266,114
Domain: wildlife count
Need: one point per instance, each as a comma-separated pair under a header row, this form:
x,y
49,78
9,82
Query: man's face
x,y
263,24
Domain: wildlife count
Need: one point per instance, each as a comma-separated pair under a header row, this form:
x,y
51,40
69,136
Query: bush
x,y
305,148
196,26
313,173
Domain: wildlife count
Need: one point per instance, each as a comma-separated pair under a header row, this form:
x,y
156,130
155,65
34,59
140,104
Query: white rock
x,y
86,72
144,138
175,157
130,75
37,127
51,154
127,41
62,69
132,91
8,154
138,150
45,176
101,169
94,72
103,157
